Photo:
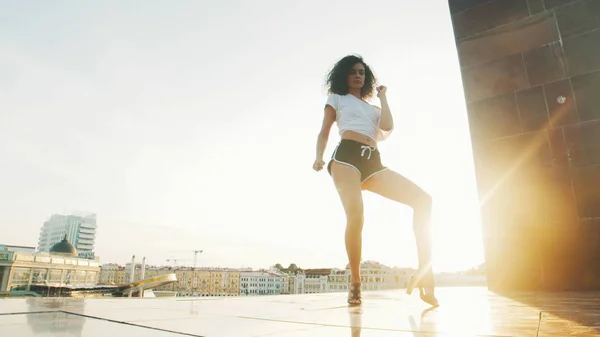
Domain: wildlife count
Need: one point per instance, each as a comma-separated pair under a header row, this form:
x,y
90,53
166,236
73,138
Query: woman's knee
x,y
423,203
355,219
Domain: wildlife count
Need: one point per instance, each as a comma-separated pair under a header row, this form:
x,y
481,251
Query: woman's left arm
x,y
387,121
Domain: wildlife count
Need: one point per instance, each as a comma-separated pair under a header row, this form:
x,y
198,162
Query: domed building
x,y
63,248
53,273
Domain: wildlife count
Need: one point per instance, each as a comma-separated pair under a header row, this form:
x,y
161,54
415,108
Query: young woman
x,y
356,166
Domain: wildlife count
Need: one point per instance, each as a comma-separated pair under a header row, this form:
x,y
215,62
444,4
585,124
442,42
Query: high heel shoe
x,y
426,289
355,293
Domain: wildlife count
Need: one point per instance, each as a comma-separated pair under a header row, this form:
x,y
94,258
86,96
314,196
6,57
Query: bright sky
x,y
192,125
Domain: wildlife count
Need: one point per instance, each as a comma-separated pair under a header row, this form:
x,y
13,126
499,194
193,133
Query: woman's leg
x,y
347,182
394,186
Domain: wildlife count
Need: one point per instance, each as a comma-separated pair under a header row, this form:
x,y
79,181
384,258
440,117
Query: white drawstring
x,y
365,148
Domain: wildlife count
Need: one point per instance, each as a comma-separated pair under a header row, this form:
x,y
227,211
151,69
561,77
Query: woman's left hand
x,y
381,91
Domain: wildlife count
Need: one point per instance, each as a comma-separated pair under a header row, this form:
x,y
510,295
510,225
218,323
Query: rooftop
x,y
464,312
321,271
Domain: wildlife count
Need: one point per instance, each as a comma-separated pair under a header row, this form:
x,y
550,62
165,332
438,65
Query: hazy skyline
x,y
192,125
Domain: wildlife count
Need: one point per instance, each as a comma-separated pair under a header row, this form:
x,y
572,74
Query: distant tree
x,y
478,270
293,268
279,266
481,269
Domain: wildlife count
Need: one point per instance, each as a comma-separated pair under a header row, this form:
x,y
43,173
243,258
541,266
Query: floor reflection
x,y
423,325
355,314
466,311
56,323
424,328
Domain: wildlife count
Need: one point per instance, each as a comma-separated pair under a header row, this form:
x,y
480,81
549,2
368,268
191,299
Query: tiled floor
x,y
464,312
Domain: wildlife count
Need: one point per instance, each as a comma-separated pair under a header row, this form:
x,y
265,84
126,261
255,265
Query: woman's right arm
x,y
323,137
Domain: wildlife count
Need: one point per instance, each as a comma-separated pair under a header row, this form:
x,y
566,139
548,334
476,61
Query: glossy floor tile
x,y
62,324
464,311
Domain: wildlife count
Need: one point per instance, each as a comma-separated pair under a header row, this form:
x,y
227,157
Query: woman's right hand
x,y
318,165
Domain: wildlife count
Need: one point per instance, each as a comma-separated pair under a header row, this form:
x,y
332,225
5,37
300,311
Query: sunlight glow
x,y
200,131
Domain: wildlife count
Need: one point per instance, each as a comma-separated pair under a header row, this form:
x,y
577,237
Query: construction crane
x,y
196,257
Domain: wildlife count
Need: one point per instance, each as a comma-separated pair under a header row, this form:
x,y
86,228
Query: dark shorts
x,y
365,159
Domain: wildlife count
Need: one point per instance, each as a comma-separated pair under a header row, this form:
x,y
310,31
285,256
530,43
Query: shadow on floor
x,y
571,309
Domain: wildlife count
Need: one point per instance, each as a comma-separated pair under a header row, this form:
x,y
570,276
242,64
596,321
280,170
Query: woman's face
x,y
356,77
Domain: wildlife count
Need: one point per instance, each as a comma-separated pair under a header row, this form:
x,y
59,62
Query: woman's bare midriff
x,y
359,138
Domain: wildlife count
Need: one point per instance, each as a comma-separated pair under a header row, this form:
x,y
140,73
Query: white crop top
x,y
354,114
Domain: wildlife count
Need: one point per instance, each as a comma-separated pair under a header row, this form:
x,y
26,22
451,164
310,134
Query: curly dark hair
x,y
337,77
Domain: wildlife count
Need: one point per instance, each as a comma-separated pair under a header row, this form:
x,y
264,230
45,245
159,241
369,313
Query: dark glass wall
x,y
531,76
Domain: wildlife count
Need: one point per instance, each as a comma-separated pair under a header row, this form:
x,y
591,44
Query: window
x,y
69,276
20,276
81,276
39,276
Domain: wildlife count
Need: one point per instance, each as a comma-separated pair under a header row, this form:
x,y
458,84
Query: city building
x,y
225,282
20,249
285,281
292,284
112,273
338,280
190,281
205,282
21,270
316,281
373,275
256,283
297,284
80,230
197,283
